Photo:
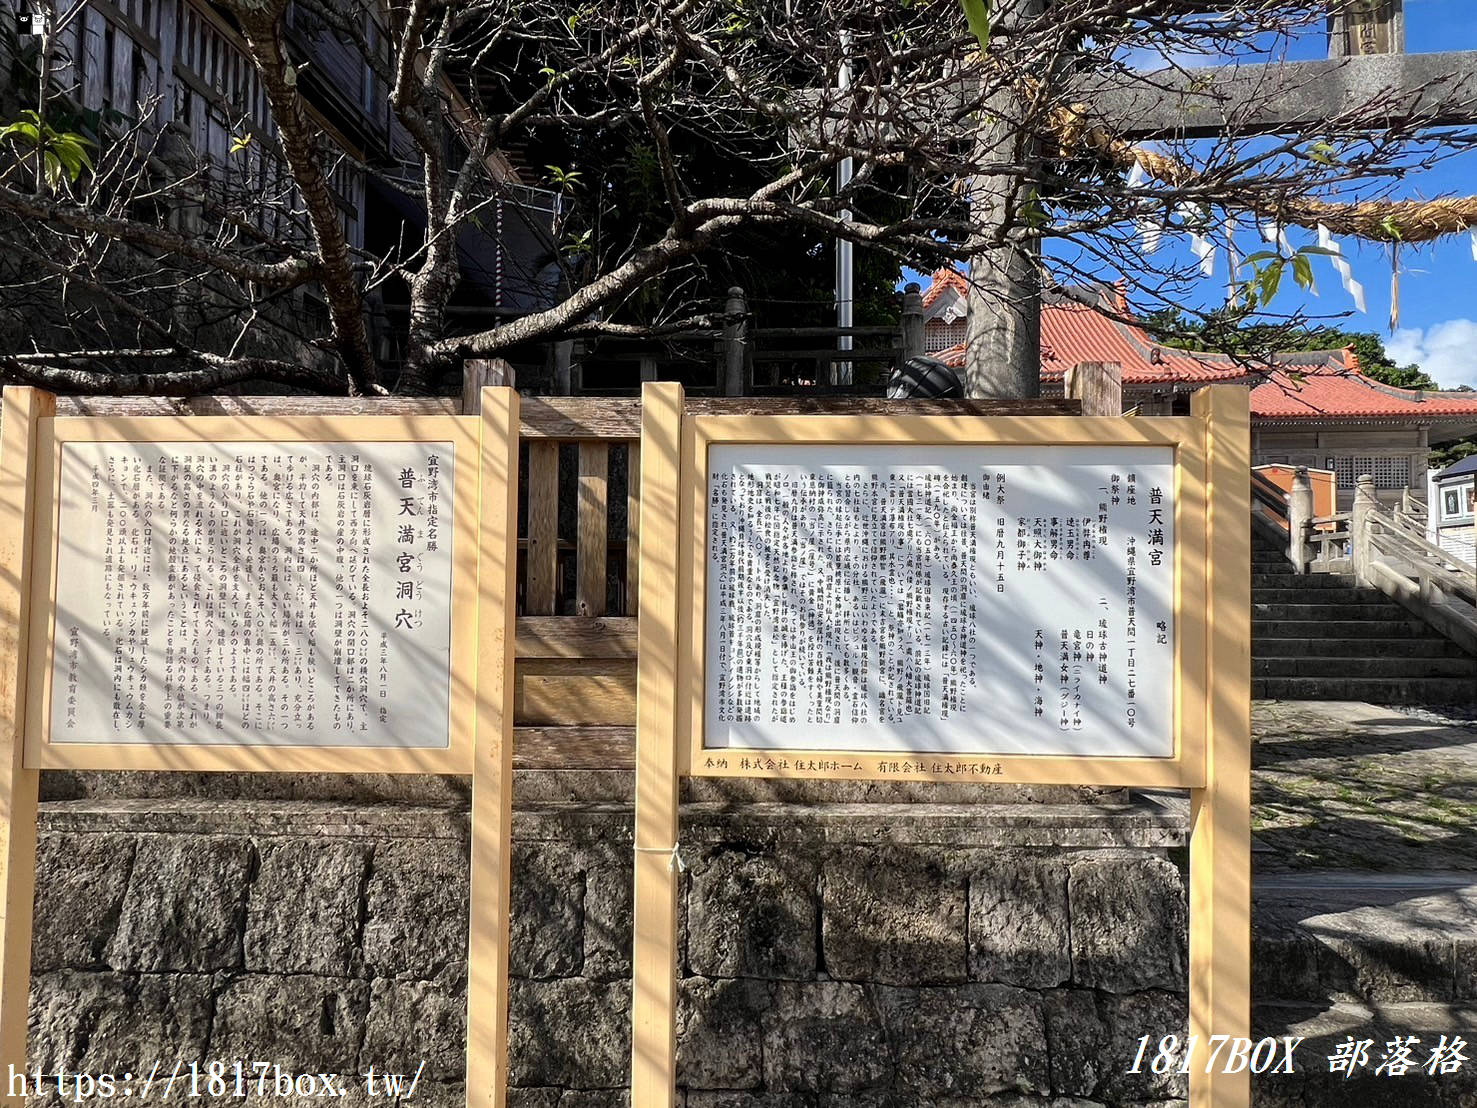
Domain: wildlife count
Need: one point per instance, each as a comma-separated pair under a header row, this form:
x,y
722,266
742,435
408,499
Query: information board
x,y
252,593
941,599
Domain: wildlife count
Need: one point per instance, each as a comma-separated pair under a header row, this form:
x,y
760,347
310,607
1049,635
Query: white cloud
x,y
1446,351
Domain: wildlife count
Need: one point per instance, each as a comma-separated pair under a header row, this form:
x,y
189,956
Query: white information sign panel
x,y
941,599
250,593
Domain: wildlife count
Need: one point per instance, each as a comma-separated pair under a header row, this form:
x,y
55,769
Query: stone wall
x,y
873,954
849,954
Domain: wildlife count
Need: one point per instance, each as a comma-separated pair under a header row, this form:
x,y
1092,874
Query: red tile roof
x,y
1351,395
946,278
1314,384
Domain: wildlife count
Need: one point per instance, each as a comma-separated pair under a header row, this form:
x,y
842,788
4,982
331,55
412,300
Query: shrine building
x,y
1312,408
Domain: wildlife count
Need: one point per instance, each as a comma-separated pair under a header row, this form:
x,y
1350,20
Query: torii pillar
x,y
1002,344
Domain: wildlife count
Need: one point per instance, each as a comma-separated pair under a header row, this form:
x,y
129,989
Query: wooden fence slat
x,y
572,637
573,418
592,531
555,701
543,527
633,528
574,748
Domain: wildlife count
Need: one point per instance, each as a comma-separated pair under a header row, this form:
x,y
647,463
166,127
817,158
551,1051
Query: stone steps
x,y
1281,593
1324,637
1399,690
1352,667
1362,648
1336,628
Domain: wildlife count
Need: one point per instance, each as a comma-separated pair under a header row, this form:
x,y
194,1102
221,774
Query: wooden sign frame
x,y
1186,436
1212,677
456,757
480,717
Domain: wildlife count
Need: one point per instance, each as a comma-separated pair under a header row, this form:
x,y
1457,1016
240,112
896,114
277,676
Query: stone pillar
x,y
563,361
1300,519
735,336
1366,27
911,332
1360,523
1002,346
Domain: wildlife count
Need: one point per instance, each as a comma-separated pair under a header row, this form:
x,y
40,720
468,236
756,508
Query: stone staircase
x,y
1321,636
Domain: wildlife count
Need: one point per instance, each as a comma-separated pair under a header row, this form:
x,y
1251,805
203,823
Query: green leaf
x,y
26,131
241,142
977,12
1268,280
1302,272
1323,153
1390,228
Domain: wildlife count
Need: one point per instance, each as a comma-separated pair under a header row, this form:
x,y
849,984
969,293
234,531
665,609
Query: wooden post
x,y
1361,522
911,342
735,354
1300,519
1220,813
481,373
24,408
654,928
492,771
1099,385
592,528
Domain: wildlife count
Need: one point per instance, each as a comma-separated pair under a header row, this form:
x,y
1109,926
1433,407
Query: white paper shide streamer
x,y
1345,270
1276,236
1150,230
1202,246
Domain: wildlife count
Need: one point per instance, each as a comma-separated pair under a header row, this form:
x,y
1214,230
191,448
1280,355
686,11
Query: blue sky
x,y
1438,283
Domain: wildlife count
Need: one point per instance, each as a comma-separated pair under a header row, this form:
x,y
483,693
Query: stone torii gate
x,y
1366,61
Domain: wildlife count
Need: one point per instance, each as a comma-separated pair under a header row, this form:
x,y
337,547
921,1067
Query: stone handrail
x,y
1429,582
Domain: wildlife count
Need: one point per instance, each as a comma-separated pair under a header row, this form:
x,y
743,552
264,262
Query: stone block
x,y
82,880
893,916
304,909
608,889
1075,1038
106,1022
1130,923
1388,969
548,907
1464,986
731,1099
719,1032
752,915
825,1037
416,920
299,1022
183,907
569,1033
411,1022
966,1041
1127,1019
1018,924
1285,963
595,1098
531,1098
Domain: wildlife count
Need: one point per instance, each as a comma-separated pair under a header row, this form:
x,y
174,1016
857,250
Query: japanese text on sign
x,y
254,594
941,599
